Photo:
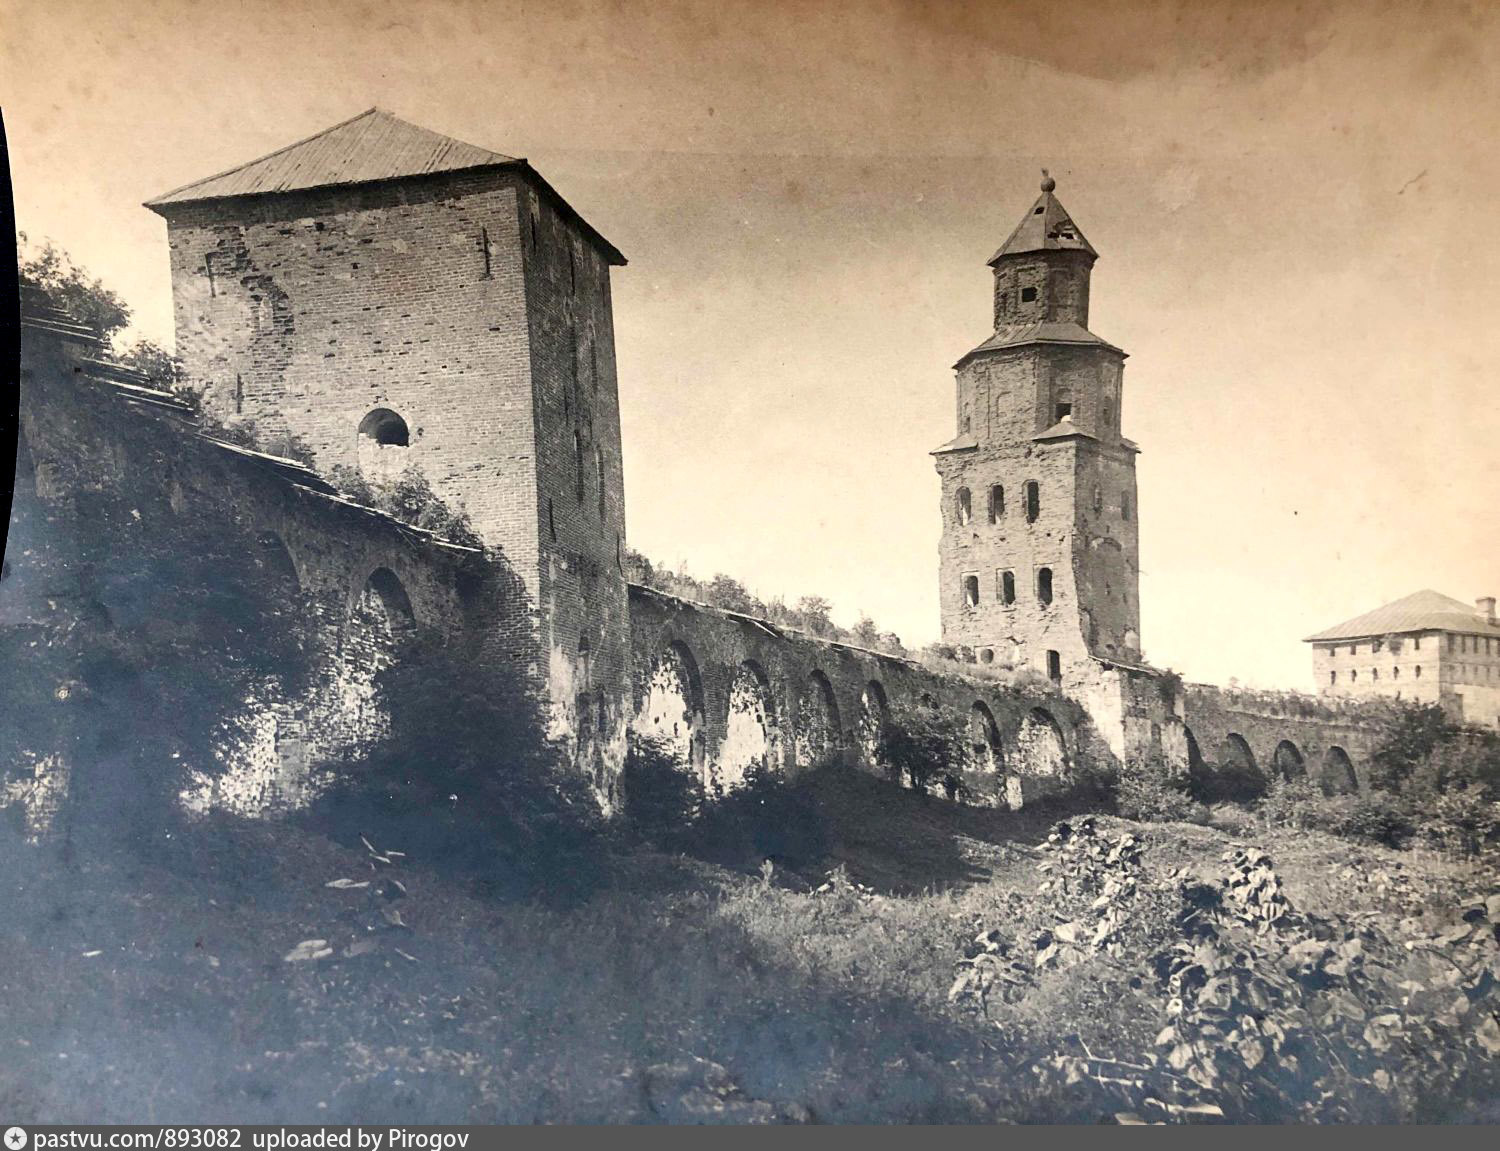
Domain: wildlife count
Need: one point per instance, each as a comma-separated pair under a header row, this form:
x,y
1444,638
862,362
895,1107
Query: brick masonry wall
x,y
1323,735
693,665
480,313
580,496
365,582
304,312
1061,281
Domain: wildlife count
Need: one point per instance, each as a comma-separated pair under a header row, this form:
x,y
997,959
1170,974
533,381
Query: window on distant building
x,y
1125,506
1027,295
971,591
1061,412
997,502
961,508
1418,672
1054,666
1333,677
1033,501
1007,587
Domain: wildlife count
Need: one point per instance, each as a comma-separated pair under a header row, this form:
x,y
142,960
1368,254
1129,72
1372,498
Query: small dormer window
x,y
1028,295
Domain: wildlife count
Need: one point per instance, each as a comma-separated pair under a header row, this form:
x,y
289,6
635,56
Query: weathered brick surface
x,y
693,665
478,310
1322,736
367,582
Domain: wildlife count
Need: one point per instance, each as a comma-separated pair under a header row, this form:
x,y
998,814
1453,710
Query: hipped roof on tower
x,y
372,147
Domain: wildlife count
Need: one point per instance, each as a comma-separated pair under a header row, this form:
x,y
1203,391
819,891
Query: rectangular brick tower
x,y
396,298
1039,559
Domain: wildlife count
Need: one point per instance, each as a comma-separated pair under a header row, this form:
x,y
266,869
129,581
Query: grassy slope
x,y
827,1005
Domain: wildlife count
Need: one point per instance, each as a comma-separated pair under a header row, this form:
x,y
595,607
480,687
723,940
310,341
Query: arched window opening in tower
x,y
987,655
1007,587
1125,505
386,428
1054,666
1062,412
961,506
997,502
1044,585
971,591
1033,501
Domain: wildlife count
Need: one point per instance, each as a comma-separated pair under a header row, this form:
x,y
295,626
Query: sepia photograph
x,y
756,562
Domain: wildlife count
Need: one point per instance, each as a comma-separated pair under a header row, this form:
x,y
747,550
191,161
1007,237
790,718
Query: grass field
x,y
153,983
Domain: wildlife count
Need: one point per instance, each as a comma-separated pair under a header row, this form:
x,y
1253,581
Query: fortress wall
x,y
727,690
115,488
1280,733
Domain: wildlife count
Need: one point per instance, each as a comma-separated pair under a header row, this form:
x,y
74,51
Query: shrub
x,y
662,793
1291,803
1373,817
1150,794
767,817
1416,733
465,780
1460,821
923,744
410,498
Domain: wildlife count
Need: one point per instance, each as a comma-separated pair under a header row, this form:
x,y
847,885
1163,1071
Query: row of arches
x,y
808,726
1234,772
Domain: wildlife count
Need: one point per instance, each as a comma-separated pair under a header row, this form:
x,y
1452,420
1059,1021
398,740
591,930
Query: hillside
x,y
219,976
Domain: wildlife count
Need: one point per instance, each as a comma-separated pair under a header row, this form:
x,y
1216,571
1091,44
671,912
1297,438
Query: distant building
x,y
1427,647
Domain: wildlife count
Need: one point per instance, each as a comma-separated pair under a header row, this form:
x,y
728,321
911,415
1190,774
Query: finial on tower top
x,y
1048,183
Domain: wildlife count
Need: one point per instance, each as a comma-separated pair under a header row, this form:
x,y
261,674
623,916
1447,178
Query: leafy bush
x,y
662,793
1459,821
1291,803
1372,817
1416,733
766,817
465,780
923,744
410,498
1151,795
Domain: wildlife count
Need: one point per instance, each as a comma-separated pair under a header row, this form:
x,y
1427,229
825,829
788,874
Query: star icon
x,y
15,1138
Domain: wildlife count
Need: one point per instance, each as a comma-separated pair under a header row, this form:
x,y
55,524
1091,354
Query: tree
x,y
66,286
731,595
1417,732
865,633
923,743
814,612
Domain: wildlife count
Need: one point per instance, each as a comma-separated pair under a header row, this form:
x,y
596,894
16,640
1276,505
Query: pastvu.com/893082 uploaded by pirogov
x,y
179,1138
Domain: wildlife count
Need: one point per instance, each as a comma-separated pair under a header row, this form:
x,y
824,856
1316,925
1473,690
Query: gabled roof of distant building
x,y
370,147
1041,332
1045,227
1425,610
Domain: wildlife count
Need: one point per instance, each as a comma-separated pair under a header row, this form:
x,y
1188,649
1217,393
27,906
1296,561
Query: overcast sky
x,y
1295,207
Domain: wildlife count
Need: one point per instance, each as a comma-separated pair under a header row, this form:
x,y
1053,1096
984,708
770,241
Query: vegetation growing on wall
x,y
410,498
143,645
810,614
